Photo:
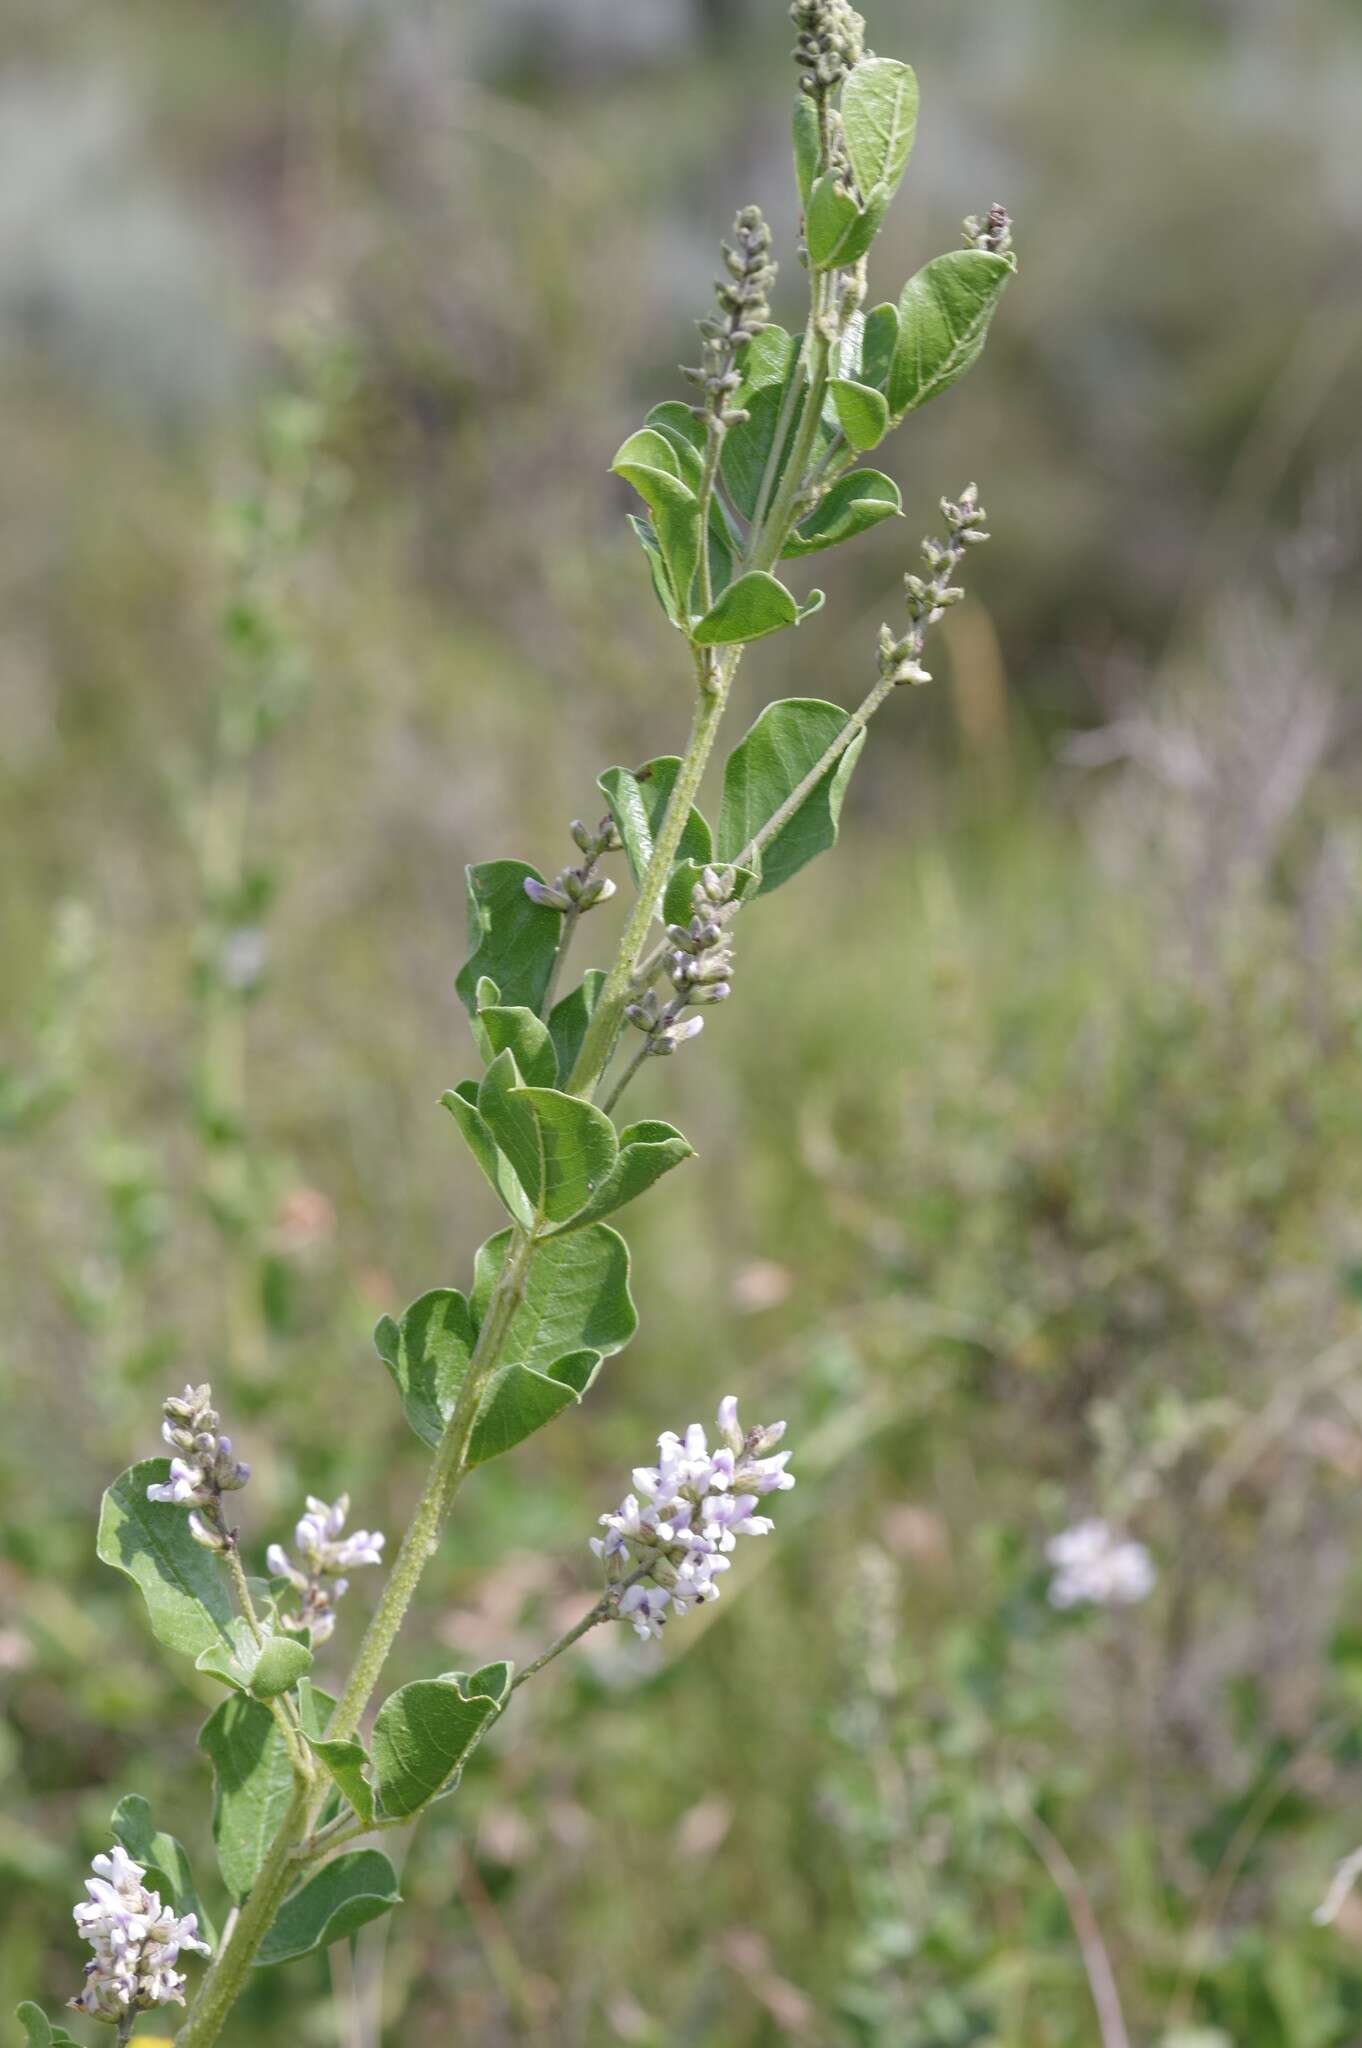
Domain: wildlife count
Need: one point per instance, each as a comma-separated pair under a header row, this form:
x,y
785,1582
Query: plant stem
x,y
784,420
832,753
626,1077
223,1985
713,449
602,1611
604,1027
442,1482
770,537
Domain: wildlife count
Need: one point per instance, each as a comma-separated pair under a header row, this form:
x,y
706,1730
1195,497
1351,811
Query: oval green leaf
x,y
427,1354
757,604
766,768
855,502
183,1584
862,413
423,1735
344,1896
879,121
944,316
510,938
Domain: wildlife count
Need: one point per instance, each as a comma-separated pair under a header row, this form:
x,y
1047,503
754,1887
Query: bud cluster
x,y
699,962
668,1541
991,231
581,888
325,1554
204,1469
932,595
137,1944
744,310
830,41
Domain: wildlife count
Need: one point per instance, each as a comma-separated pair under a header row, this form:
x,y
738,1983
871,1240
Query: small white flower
x,y
646,1607
326,1555
1094,1567
668,1541
136,1940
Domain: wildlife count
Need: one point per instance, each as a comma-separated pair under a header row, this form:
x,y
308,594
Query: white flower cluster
x,y
205,1468
137,1943
1094,1567
325,1554
672,1537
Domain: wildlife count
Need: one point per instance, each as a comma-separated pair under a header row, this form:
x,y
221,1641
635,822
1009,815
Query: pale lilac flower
x,y
669,1539
646,1607
1095,1567
325,1554
137,1943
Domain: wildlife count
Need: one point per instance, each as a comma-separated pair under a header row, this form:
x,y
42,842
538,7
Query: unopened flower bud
x,y
205,1533
548,898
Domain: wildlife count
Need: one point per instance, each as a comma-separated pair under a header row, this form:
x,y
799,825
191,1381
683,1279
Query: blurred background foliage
x,y
1029,1181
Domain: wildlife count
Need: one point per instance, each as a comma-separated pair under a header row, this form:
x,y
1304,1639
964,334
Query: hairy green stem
x,y
603,1030
223,1985
442,1482
770,537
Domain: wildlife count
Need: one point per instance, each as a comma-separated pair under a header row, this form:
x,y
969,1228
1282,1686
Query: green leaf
x,y
346,1761
747,446
769,358
677,907
831,216
638,798
511,1125
183,1584
510,938
657,568
650,462
232,1664
344,1896
520,1401
878,342
766,767
807,146
253,1783
560,1146
427,1354
576,1295
462,1104
944,316
862,412
282,1661
40,2030
146,1844
879,120
490,1681
646,1151
577,1149
423,1734
512,1028
757,604
570,1018
857,501
687,435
